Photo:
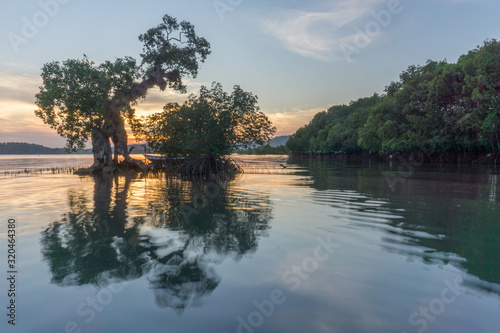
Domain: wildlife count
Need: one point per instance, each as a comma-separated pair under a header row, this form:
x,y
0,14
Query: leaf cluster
x,y
171,51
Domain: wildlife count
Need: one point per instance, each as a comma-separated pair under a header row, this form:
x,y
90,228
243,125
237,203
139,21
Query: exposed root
x,y
124,166
208,166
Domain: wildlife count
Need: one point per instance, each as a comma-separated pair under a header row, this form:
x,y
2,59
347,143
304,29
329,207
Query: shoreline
x,y
417,157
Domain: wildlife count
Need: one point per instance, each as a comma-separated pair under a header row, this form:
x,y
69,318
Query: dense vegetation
x,y
212,123
442,107
206,128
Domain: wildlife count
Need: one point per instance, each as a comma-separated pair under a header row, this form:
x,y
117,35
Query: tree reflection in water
x,y
178,232
435,216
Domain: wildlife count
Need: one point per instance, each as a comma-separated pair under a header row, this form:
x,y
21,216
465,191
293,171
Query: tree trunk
x,y
116,126
101,149
119,135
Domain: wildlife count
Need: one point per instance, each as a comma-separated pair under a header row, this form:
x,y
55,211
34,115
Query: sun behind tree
x,y
206,129
83,100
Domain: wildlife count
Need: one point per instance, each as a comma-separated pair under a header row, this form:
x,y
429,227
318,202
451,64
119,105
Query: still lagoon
x,y
318,246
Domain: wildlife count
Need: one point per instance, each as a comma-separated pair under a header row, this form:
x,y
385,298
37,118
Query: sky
x,y
298,57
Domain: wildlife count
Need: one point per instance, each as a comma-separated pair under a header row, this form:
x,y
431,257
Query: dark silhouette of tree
x,y
97,243
213,123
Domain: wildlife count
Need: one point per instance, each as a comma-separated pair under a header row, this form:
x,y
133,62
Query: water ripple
x,y
375,221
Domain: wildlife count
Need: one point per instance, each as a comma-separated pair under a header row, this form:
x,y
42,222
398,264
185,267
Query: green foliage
x,y
73,96
444,107
172,50
213,123
334,130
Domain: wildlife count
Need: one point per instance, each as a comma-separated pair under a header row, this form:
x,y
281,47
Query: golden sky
x,y
19,123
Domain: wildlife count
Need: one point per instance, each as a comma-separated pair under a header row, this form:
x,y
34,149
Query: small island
x,y
84,101
23,148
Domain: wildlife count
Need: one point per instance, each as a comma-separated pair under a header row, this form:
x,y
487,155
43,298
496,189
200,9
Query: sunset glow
x,y
292,56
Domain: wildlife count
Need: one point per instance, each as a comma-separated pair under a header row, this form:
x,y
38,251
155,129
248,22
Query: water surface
x,y
318,246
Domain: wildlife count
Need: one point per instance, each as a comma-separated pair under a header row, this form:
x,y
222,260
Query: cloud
x,y
19,87
320,33
19,124
288,121
17,93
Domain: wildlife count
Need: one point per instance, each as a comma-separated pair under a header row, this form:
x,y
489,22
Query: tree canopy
x,y
212,123
443,106
74,96
81,99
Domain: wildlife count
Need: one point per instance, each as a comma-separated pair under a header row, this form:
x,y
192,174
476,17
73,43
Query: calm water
x,y
321,246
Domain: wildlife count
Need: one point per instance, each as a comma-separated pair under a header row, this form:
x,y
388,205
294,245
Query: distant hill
x,y
279,140
23,148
